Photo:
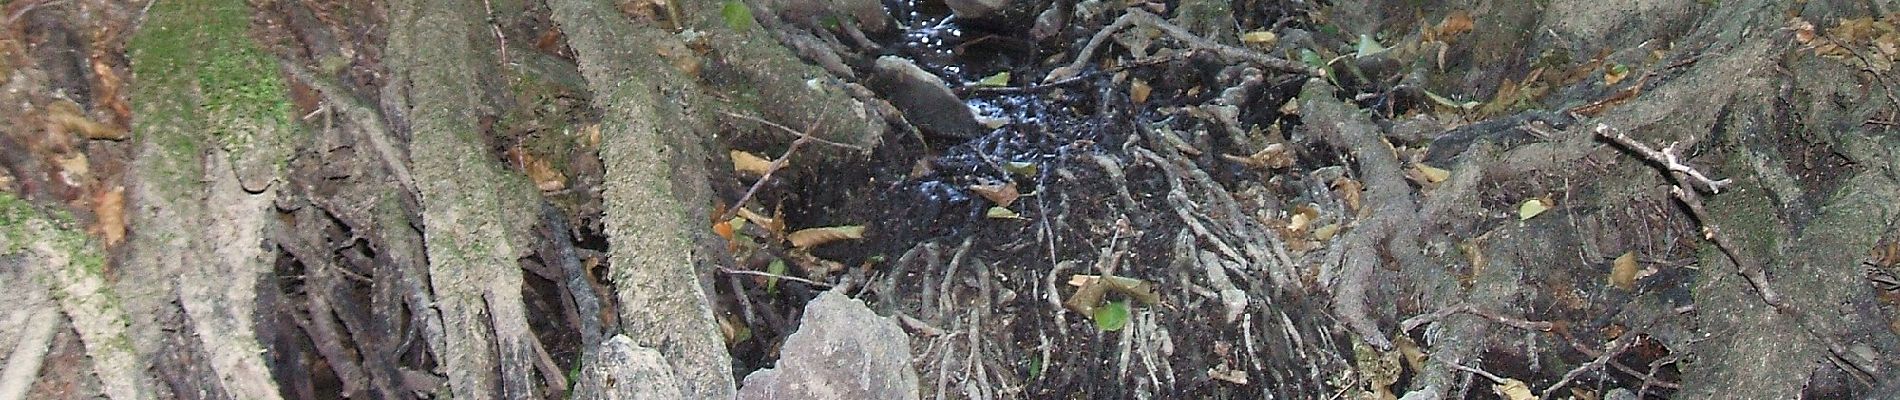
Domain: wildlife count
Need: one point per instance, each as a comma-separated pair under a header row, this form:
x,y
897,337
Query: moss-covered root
x,y
471,205
662,304
60,257
202,86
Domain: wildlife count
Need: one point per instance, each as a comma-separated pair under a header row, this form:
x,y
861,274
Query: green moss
x,y
197,71
22,224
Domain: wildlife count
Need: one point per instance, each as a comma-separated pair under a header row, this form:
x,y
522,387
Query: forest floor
x,y
1146,199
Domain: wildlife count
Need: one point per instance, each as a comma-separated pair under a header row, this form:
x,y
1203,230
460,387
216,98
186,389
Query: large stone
x,y
842,350
622,370
924,99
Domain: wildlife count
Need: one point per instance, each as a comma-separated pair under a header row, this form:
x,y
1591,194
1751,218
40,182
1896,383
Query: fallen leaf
x,y
734,329
1531,208
737,15
1138,91
1228,374
1326,233
1456,23
1111,316
750,163
724,228
1512,389
1367,47
816,236
592,135
1623,271
67,116
774,225
1134,288
1350,191
1274,156
1001,194
1302,219
1427,174
1259,38
777,267
1001,213
1615,73
999,79
108,210
1020,168
542,173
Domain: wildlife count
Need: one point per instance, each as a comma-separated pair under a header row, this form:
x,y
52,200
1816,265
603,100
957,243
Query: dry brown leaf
x,y
750,163
1454,24
774,225
108,210
1274,156
1003,195
1227,374
1623,271
1138,91
1326,233
1427,174
539,170
1302,219
1512,389
592,134
816,236
67,116
1350,191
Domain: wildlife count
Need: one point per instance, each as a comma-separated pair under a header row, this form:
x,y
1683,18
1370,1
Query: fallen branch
x,y
1422,319
1144,18
1616,347
1685,175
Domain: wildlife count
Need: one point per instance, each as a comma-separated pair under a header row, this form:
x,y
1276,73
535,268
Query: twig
x,y
1420,320
501,40
1616,347
1682,174
731,271
364,118
795,132
1487,375
1136,16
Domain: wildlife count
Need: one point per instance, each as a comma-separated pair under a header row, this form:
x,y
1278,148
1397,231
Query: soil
x,y
1360,225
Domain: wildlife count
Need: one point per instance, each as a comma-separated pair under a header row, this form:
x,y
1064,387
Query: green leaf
x,y
1367,46
1001,213
738,17
1443,101
1000,79
1020,168
1530,208
771,282
1112,316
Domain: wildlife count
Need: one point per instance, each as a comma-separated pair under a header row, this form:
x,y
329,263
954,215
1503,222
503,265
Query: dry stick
x,y
1747,266
794,132
1649,378
1685,175
731,271
777,164
1419,320
1616,348
1135,16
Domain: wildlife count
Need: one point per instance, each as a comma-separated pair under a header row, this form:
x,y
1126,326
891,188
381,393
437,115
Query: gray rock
x,y
842,350
621,369
924,99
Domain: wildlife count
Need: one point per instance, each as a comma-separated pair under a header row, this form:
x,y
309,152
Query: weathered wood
x,y
470,204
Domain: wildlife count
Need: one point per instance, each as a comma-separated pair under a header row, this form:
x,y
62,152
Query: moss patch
x,y
198,71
